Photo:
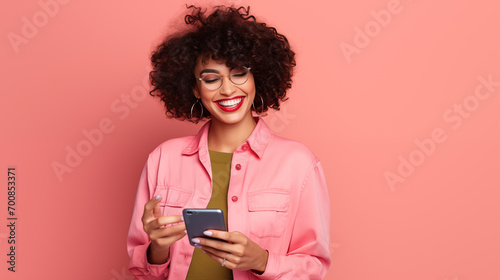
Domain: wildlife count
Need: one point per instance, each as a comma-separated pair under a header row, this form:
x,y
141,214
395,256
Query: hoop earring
x,y
192,107
262,105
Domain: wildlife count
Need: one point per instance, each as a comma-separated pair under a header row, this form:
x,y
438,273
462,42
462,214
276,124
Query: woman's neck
x,y
223,137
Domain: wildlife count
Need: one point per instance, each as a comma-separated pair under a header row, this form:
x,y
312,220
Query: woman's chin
x,y
231,118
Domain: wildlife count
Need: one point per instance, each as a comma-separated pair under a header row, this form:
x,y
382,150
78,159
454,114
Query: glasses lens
x,y
211,81
239,75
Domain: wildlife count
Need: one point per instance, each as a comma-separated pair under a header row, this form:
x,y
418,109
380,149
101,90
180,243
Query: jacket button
x,y
238,166
234,198
244,148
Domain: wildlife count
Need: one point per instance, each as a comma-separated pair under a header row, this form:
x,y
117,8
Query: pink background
x,y
386,102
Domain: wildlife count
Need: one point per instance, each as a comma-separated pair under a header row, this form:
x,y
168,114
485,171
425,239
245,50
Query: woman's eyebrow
x,y
208,71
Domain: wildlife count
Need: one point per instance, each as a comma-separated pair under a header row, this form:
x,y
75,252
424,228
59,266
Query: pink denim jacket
x,y
277,197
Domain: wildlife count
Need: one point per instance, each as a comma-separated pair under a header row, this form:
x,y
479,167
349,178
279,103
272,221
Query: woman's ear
x,y
196,92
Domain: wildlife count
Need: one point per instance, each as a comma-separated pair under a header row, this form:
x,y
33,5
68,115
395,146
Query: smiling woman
x,y
213,81
272,190
229,36
227,94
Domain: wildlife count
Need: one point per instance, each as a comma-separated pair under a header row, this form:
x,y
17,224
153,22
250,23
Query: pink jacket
x,y
277,197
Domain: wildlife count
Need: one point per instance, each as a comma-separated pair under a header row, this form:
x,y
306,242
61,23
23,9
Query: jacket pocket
x,y
173,199
268,212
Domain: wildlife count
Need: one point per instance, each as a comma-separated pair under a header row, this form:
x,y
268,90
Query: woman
x,y
272,191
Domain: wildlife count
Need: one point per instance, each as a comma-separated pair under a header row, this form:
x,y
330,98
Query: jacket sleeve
x,y
137,240
308,255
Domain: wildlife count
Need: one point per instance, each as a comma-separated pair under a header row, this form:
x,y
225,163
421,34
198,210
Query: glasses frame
x,y
222,80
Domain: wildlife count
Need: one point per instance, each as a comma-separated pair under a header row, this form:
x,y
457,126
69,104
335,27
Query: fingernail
x,y
207,233
197,246
195,240
182,218
158,197
185,231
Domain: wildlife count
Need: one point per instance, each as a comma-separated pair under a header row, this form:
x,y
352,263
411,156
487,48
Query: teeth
x,y
230,103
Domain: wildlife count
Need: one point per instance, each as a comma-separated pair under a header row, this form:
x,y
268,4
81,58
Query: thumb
x,y
152,208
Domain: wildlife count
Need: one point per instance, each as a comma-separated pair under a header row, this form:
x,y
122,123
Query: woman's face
x,y
230,103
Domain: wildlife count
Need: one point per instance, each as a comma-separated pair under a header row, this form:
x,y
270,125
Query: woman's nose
x,y
227,87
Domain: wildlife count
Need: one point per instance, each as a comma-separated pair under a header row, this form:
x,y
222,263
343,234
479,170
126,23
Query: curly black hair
x,y
229,34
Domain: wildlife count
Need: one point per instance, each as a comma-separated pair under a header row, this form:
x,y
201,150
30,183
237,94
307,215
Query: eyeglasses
x,y
213,81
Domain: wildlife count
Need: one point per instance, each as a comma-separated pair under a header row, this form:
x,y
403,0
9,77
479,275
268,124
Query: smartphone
x,y
199,220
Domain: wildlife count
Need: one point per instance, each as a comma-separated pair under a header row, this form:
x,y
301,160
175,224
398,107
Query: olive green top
x,y
202,266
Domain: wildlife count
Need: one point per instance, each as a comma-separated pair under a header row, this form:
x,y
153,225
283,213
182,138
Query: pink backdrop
x,y
399,100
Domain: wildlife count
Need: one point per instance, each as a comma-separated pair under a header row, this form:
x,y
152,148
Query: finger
x,y
167,242
166,232
148,208
168,235
224,235
176,237
216,253
166,238
230,237
215,257
215,244
164,222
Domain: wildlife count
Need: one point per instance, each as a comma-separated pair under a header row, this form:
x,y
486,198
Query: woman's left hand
x,y
238,253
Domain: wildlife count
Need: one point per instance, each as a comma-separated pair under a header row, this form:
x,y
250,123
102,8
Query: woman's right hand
x,y
163,231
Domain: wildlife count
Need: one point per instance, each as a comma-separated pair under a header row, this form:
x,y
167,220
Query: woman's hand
x,y
239,253
162,230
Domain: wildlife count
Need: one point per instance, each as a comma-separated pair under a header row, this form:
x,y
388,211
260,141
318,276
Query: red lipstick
x,y
230,109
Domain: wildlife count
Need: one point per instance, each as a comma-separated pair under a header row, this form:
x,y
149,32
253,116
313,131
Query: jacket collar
x,y
257,141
